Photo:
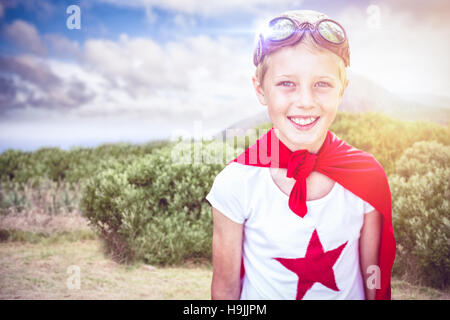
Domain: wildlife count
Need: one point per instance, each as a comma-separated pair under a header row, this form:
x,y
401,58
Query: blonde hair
x,y
307,41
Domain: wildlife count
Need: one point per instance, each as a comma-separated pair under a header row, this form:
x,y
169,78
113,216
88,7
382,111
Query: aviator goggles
x,y
284,31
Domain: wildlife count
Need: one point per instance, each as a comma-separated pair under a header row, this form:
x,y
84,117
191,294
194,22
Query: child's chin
x,y
307,140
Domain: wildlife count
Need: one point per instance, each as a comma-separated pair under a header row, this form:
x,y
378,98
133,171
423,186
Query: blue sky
x,y
107,19
139,70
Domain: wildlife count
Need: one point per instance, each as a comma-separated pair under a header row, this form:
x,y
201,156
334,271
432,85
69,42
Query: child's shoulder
x,y
239,170
235,173
229,192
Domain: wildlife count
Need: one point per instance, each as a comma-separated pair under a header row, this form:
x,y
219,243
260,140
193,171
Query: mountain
x,y
364,95
435,100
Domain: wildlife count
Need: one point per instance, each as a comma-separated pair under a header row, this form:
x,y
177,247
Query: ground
x,y
42,270
34,271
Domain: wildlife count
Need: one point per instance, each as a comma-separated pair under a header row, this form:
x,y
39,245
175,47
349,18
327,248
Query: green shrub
x,y
16,166
385,137
422,158
10,161
153,208
421,213
70,166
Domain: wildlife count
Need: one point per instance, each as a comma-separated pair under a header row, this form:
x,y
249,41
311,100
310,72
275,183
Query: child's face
x,y
304,84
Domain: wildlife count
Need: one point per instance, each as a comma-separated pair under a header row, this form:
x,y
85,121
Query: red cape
x,y
355,170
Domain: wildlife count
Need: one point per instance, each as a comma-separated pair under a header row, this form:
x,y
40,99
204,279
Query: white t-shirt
x,y
248,195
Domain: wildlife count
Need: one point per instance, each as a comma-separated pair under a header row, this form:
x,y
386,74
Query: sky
x,y
140,70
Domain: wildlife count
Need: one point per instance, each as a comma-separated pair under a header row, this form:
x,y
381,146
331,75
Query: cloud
x,y
7,92
25,36
183,21
197,76
60,46
191,78
139,85
30,69
31,82
406,54
436,12
200,77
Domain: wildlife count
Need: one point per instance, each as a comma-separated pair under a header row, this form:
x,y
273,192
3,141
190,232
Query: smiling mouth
x,y
304,123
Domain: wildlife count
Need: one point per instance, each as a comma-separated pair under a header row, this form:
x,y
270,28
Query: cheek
x,y
278,103
330,102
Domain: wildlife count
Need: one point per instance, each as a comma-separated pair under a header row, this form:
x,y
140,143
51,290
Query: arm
x,y
369,244
226,251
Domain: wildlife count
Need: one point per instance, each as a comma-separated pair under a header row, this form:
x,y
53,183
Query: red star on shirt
x,y
316,266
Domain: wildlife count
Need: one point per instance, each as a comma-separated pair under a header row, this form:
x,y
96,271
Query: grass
x,y
40,271
402,290
35,258
44,238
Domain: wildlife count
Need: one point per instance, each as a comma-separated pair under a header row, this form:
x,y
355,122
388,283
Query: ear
x,y
259,91
343,89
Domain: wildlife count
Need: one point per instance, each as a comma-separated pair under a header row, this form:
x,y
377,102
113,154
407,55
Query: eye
x,y
324,84
287,84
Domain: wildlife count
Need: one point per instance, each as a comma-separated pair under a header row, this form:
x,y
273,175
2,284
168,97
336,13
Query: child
x,y
301,214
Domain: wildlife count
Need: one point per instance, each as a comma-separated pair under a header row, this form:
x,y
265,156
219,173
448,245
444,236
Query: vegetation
x,y
147,202
421,213
154,208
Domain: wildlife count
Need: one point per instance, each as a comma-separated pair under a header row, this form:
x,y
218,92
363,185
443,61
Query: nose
x,y
304,97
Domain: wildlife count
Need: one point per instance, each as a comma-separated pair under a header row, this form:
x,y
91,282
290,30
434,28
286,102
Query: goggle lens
x,y
280,29
331,31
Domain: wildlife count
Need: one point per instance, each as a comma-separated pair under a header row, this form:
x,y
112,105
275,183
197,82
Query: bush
x,y
421,213
69,166
386,138
422,158
10,161
153,208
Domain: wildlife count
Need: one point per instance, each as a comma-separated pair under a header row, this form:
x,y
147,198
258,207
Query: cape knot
x,y
301,163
